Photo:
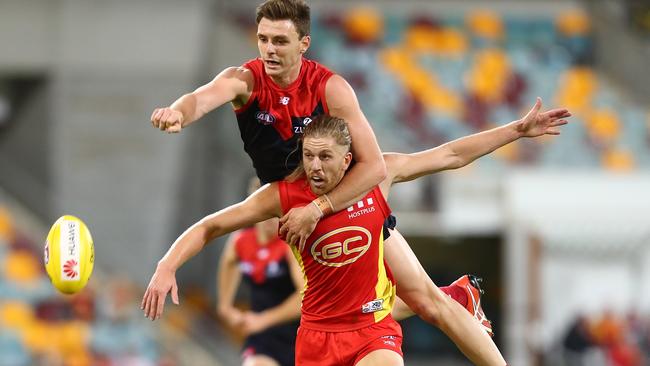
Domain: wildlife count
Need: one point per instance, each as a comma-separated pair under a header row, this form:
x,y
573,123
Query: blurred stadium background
x,y
558,227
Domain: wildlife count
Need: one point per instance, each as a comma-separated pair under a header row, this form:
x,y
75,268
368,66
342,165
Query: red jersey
x,y
265,268
274,117
347,284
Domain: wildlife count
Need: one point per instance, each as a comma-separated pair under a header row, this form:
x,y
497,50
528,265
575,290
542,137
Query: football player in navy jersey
x,y
273,276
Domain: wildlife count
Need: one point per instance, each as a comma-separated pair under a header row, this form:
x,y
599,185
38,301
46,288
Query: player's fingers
x,y
553,131
303,241
538,104
175,128
144,299
147,306
175,294
282,231
559,122
160,306
154,120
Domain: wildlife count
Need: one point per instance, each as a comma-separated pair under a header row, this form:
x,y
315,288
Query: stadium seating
x,y
426,79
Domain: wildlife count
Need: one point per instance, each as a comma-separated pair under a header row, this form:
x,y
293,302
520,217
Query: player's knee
x,y
427,309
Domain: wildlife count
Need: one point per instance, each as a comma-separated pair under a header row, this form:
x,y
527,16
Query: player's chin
x,y
272,70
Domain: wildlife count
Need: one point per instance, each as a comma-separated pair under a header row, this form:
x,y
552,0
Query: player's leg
x,y
417,290
412,278
381,357
259,360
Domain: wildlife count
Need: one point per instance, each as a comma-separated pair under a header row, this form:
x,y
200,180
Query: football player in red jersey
x,y
274,97
349,292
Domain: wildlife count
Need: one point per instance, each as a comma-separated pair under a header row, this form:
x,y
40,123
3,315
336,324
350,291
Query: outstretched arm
x,y
368,171
233,84
228,279
261,205
460,152
286,311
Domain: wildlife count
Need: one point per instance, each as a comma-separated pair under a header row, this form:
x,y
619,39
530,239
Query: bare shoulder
x,y
335,85
340,97
239,73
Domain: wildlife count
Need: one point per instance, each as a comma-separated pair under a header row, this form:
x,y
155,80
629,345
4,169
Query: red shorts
x,y
318,348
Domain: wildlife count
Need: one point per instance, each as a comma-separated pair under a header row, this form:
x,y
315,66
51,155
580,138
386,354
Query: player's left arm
x,y
368,171
460,152
286,311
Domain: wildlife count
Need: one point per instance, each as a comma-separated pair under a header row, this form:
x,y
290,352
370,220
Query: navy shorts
x,y
389,223
278,343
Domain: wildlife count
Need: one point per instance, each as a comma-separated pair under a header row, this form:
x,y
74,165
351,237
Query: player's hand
x,y
537,123
298,224
167,119
253,323
232,316
153,301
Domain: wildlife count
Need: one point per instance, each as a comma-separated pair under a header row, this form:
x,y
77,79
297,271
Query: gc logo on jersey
x,y
341,246
265,117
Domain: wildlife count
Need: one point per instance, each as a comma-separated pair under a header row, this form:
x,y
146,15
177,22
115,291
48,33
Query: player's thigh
x,y
405,266
381,357
259,360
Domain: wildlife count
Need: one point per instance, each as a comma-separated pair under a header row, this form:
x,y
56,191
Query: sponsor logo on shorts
x,y
372,306
342,246
389,340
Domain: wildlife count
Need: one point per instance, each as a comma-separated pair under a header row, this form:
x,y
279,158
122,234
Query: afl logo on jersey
x,y
265,118
342,246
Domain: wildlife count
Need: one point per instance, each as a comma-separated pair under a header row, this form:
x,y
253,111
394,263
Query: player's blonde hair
x,y
296,11
323,126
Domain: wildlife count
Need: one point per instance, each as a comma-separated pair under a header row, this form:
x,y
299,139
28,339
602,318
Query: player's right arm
x,y
228,280
234,84
261,205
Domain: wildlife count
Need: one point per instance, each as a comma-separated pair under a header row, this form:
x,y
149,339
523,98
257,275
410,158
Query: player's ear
x,y
347,160
305,42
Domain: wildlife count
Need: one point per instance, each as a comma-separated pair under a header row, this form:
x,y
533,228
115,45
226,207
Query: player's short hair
x,y
296,11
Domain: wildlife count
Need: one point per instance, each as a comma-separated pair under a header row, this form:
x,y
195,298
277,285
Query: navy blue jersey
x,y
274,117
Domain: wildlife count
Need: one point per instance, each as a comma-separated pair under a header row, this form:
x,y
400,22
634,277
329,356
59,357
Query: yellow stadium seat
x,y
573,23
6,226
486,24
618,160
16,315
22,267
364,24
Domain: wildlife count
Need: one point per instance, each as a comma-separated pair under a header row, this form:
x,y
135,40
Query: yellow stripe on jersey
x,y
384,289
296,254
